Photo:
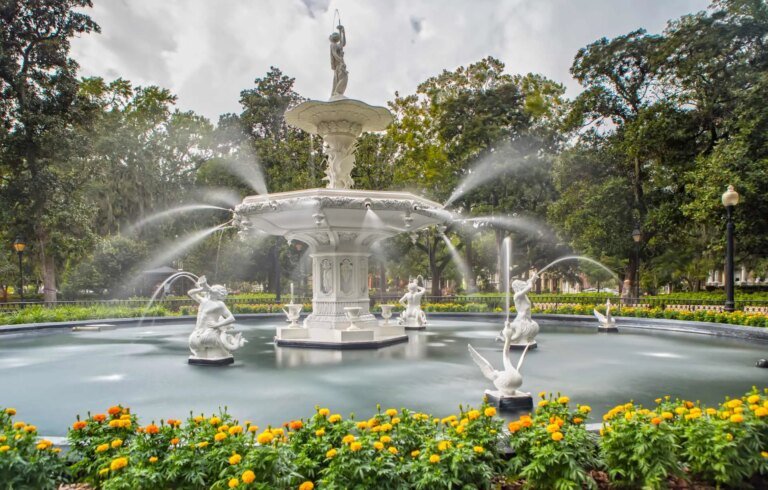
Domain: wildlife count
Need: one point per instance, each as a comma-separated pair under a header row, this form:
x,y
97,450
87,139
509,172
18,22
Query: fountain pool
x,y
144,367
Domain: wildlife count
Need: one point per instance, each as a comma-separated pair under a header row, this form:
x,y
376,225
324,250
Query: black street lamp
x,y
730,200
637,235
19,245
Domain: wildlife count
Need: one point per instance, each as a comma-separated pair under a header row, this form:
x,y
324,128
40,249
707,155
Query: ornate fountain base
x,y
533,345
340,227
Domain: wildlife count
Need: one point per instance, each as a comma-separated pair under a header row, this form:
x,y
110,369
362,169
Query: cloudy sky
x,y
207,51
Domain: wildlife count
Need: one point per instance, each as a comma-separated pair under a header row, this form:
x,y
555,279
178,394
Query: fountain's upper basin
x,y
371,215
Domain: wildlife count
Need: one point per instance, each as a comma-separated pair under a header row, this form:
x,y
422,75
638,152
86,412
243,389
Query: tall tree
x,y
39,108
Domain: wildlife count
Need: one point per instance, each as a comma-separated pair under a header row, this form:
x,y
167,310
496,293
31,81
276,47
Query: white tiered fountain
x,y
339,224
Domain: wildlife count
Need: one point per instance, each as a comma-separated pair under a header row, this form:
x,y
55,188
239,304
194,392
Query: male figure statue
x,y
413,316
210,341
338,41
522,329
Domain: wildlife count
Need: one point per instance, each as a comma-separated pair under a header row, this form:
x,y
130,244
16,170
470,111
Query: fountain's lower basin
x,y
51,376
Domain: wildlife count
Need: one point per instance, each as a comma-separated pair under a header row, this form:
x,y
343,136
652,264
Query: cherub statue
x,y
413,316
338,41
210,341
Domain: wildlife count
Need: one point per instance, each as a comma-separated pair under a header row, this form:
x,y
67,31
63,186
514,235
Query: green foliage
x,y
25,460
553,449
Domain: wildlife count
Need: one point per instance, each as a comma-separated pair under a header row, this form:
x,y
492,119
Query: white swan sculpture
x,y
606,321
509,380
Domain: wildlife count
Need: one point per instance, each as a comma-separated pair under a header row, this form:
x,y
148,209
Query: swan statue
x,y
509,380
606,321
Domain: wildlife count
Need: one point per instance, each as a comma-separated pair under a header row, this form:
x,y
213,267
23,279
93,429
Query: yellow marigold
x,y
395,420
19,425
737,418
460,429
578,420
761,412
391,412
711,411
563,400
248,476
680,410
543,403
542,394
235,459
386,427
355,446
233,482
214,421
443,445
220,436
265,437
102,447
199,419
764,454
125,416
4,448
557,436
153,459
514,426
3,438
348,438
729,437
234,430
733,403
320,432
307,485
202,444
116,443
415,453
44,444
118,463
103,471
331,453
478,449
585,408
628,415
473,414
378,445
334,418
385,439
362,425
324,412
667,415
434,459
553,428
753,399
114,423
658,400
490,412
10,411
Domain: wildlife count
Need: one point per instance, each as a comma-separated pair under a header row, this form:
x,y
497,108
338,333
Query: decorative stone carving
x,y
509,380
607,323
340,75
326,276
347,275
523,325
210,341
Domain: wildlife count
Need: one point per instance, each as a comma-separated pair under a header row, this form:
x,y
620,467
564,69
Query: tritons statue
x,y
211,342
523,329
340,75
413,316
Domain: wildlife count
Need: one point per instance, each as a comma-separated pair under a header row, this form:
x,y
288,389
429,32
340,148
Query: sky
x,y
207,51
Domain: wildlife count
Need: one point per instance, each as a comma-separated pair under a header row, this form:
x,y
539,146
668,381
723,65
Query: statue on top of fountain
x,y
210,341
340,75
522,330
413,316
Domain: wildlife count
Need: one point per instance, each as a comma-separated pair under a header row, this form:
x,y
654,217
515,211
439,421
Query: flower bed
x,y
637,447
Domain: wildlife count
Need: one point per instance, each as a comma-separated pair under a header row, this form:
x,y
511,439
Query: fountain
x,y
292,311
332,220
386,313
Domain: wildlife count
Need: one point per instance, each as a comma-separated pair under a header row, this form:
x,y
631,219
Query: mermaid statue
x,y
211,341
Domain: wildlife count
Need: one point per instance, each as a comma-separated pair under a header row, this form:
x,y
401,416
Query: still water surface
x,y
49,377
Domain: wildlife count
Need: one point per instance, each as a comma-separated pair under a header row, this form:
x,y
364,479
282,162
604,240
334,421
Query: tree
x,y
39,147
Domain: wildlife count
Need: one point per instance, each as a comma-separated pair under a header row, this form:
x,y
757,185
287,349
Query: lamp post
x,y
19,245
637,235
730,200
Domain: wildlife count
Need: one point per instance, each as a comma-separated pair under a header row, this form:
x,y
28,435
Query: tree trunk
x,y
434,271
49,270
469,258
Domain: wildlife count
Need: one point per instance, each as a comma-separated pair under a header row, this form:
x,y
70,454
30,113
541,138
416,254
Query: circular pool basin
x,y
50,376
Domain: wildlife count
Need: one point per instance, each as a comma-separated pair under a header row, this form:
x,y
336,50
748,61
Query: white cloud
x,y
207,51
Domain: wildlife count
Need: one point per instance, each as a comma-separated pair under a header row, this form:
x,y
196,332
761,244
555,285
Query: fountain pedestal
x,y
339,227
509,404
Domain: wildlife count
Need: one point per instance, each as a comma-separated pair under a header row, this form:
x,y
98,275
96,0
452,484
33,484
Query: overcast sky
x,y
207,51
